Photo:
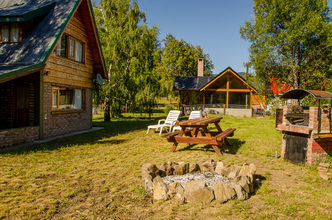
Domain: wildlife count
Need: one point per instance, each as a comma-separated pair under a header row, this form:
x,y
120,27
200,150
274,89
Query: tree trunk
x,y
296,80
107,115
149,110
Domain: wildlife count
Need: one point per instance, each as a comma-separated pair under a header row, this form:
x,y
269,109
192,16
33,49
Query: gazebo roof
x,y
301,93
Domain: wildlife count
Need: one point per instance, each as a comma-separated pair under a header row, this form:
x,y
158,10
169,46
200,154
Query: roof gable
x,y
228,70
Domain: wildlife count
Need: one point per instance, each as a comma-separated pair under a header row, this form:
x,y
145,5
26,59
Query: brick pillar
x,y
283,145
319,148
326,120
313,119
285,110
313,123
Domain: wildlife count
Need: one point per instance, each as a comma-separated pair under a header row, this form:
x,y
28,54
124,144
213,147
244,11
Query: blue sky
x,y
212,24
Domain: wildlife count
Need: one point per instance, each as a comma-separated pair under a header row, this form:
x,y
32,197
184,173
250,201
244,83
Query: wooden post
x,y
246,100
179,98
250,99
227,92
41,104
203,99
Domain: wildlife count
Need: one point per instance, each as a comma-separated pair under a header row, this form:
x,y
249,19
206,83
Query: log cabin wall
x,y
64,72
68,72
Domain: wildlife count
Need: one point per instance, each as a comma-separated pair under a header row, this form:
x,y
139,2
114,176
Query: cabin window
x,y
71,48
55,98
14,33
79,51
5,33
10,33
67,99
62,47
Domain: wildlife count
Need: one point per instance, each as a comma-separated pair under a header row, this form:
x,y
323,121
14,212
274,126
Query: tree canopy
x,y
292,41
139,69
179,58
131,50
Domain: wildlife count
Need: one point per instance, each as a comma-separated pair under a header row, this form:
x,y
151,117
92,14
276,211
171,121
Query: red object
x,y
276,89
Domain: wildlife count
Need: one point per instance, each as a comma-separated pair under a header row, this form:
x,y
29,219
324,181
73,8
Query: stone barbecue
x,y
199,182
306,131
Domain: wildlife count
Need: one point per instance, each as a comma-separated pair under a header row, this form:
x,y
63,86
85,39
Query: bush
x,y
168,108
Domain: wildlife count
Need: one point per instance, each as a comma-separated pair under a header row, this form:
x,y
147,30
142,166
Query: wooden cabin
x,y
226,93
49,55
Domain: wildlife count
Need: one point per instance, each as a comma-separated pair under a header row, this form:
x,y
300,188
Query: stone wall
x,y
15,136
56,123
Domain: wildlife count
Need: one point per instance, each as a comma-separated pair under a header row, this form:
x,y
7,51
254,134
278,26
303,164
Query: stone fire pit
x,y
199,182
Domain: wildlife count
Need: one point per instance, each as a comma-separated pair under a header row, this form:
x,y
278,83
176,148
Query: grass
x,y
98,175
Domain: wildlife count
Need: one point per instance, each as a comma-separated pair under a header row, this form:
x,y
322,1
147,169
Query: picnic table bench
x,y
196,131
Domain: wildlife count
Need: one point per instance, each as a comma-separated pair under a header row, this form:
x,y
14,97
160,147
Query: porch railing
x,y
186,109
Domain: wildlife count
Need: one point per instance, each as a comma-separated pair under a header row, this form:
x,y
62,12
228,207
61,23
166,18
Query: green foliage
x,y
168,108
291,40
179,58
97,93
131,51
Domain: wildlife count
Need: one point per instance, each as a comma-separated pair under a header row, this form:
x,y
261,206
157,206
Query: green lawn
x,y
97,175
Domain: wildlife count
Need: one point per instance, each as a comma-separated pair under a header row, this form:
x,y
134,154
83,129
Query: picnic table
x,y
195,131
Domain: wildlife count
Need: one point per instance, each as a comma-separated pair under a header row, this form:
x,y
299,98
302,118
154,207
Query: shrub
x,y
168,108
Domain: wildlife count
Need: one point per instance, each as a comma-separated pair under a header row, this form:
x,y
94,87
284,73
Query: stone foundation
x,y
199,182
10,137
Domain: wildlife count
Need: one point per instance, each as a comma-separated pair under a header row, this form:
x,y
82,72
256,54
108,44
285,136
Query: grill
x,y
306,131
298,116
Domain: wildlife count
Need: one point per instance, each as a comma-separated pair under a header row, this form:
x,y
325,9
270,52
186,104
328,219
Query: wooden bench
x,y
228,133
197,136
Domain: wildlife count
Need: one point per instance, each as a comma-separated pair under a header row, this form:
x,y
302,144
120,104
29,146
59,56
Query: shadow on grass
x,y
258,182
235,146
111,129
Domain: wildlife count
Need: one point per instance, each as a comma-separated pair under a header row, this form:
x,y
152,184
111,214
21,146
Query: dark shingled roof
x,y
191,82
38,43
23,12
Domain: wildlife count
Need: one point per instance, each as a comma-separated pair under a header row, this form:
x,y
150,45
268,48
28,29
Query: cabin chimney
x,y
200,67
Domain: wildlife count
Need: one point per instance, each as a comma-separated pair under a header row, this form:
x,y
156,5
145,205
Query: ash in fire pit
x,y
209,178
201,182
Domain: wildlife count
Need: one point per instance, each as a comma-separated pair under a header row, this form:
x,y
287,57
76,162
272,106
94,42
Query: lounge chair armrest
x,y
175,122
161,120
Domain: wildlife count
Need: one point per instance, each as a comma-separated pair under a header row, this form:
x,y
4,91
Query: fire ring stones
x,y
198,183
196,192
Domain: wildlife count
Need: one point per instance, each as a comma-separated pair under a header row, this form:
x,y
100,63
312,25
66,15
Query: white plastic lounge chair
x,y
169,122
193,115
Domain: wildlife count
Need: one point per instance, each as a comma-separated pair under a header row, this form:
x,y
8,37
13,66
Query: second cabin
x,y
225,93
